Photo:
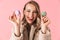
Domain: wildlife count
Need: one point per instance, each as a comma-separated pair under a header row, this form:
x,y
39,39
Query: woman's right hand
x,y
16,22
14,19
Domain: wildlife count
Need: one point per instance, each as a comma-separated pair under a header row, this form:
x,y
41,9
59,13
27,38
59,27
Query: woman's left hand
x,y
44,23
45,20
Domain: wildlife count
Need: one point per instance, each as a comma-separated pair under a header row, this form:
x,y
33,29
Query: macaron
x,y
44,13
17,12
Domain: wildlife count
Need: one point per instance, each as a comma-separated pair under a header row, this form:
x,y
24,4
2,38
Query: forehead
x,y
30,6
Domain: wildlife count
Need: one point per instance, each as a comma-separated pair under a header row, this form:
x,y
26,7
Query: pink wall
x,y
8,6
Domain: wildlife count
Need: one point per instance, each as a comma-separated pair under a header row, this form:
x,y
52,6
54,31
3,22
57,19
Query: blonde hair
x,y
37,22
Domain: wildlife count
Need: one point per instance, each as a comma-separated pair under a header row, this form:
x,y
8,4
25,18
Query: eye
x,y
28,10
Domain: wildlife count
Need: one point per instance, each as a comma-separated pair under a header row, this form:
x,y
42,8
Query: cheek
x,y
26,14
35,15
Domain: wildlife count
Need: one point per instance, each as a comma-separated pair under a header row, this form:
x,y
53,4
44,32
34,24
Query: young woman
x,y
33,26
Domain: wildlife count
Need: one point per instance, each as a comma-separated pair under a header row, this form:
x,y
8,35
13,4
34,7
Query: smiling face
x,y
30,13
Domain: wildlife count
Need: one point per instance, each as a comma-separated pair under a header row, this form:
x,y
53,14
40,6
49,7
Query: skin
x,y
30,15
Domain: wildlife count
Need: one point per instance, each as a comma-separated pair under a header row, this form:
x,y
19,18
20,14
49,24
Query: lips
x,y
30,19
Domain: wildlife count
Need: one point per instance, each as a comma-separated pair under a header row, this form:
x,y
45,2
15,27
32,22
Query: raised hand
x,y
15,20
44,23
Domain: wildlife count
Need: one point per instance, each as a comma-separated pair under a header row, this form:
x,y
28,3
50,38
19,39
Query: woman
x,y
33,26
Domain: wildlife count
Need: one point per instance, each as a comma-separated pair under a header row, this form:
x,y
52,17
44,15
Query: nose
x,y
31,15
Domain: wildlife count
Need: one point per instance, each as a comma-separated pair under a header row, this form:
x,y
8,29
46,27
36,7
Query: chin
x,y
30,22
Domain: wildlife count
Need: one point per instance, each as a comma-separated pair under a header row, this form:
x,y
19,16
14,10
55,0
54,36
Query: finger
x,y
14,15
12,18
45,19
47,22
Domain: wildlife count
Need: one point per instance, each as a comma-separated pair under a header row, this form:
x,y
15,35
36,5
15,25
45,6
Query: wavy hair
x,y
37,21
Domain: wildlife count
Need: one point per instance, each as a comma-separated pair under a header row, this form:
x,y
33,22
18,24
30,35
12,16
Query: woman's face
x,y
30,13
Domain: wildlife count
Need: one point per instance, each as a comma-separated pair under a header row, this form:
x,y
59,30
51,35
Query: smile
x,y
30,19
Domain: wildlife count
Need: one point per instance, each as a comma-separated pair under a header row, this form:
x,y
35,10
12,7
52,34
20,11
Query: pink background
x,y
52,7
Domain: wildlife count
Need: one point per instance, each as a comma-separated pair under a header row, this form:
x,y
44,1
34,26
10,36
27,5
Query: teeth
x,y
17,12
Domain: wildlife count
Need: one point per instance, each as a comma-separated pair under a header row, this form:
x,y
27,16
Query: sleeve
x,y
40,36
46,36
14,37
